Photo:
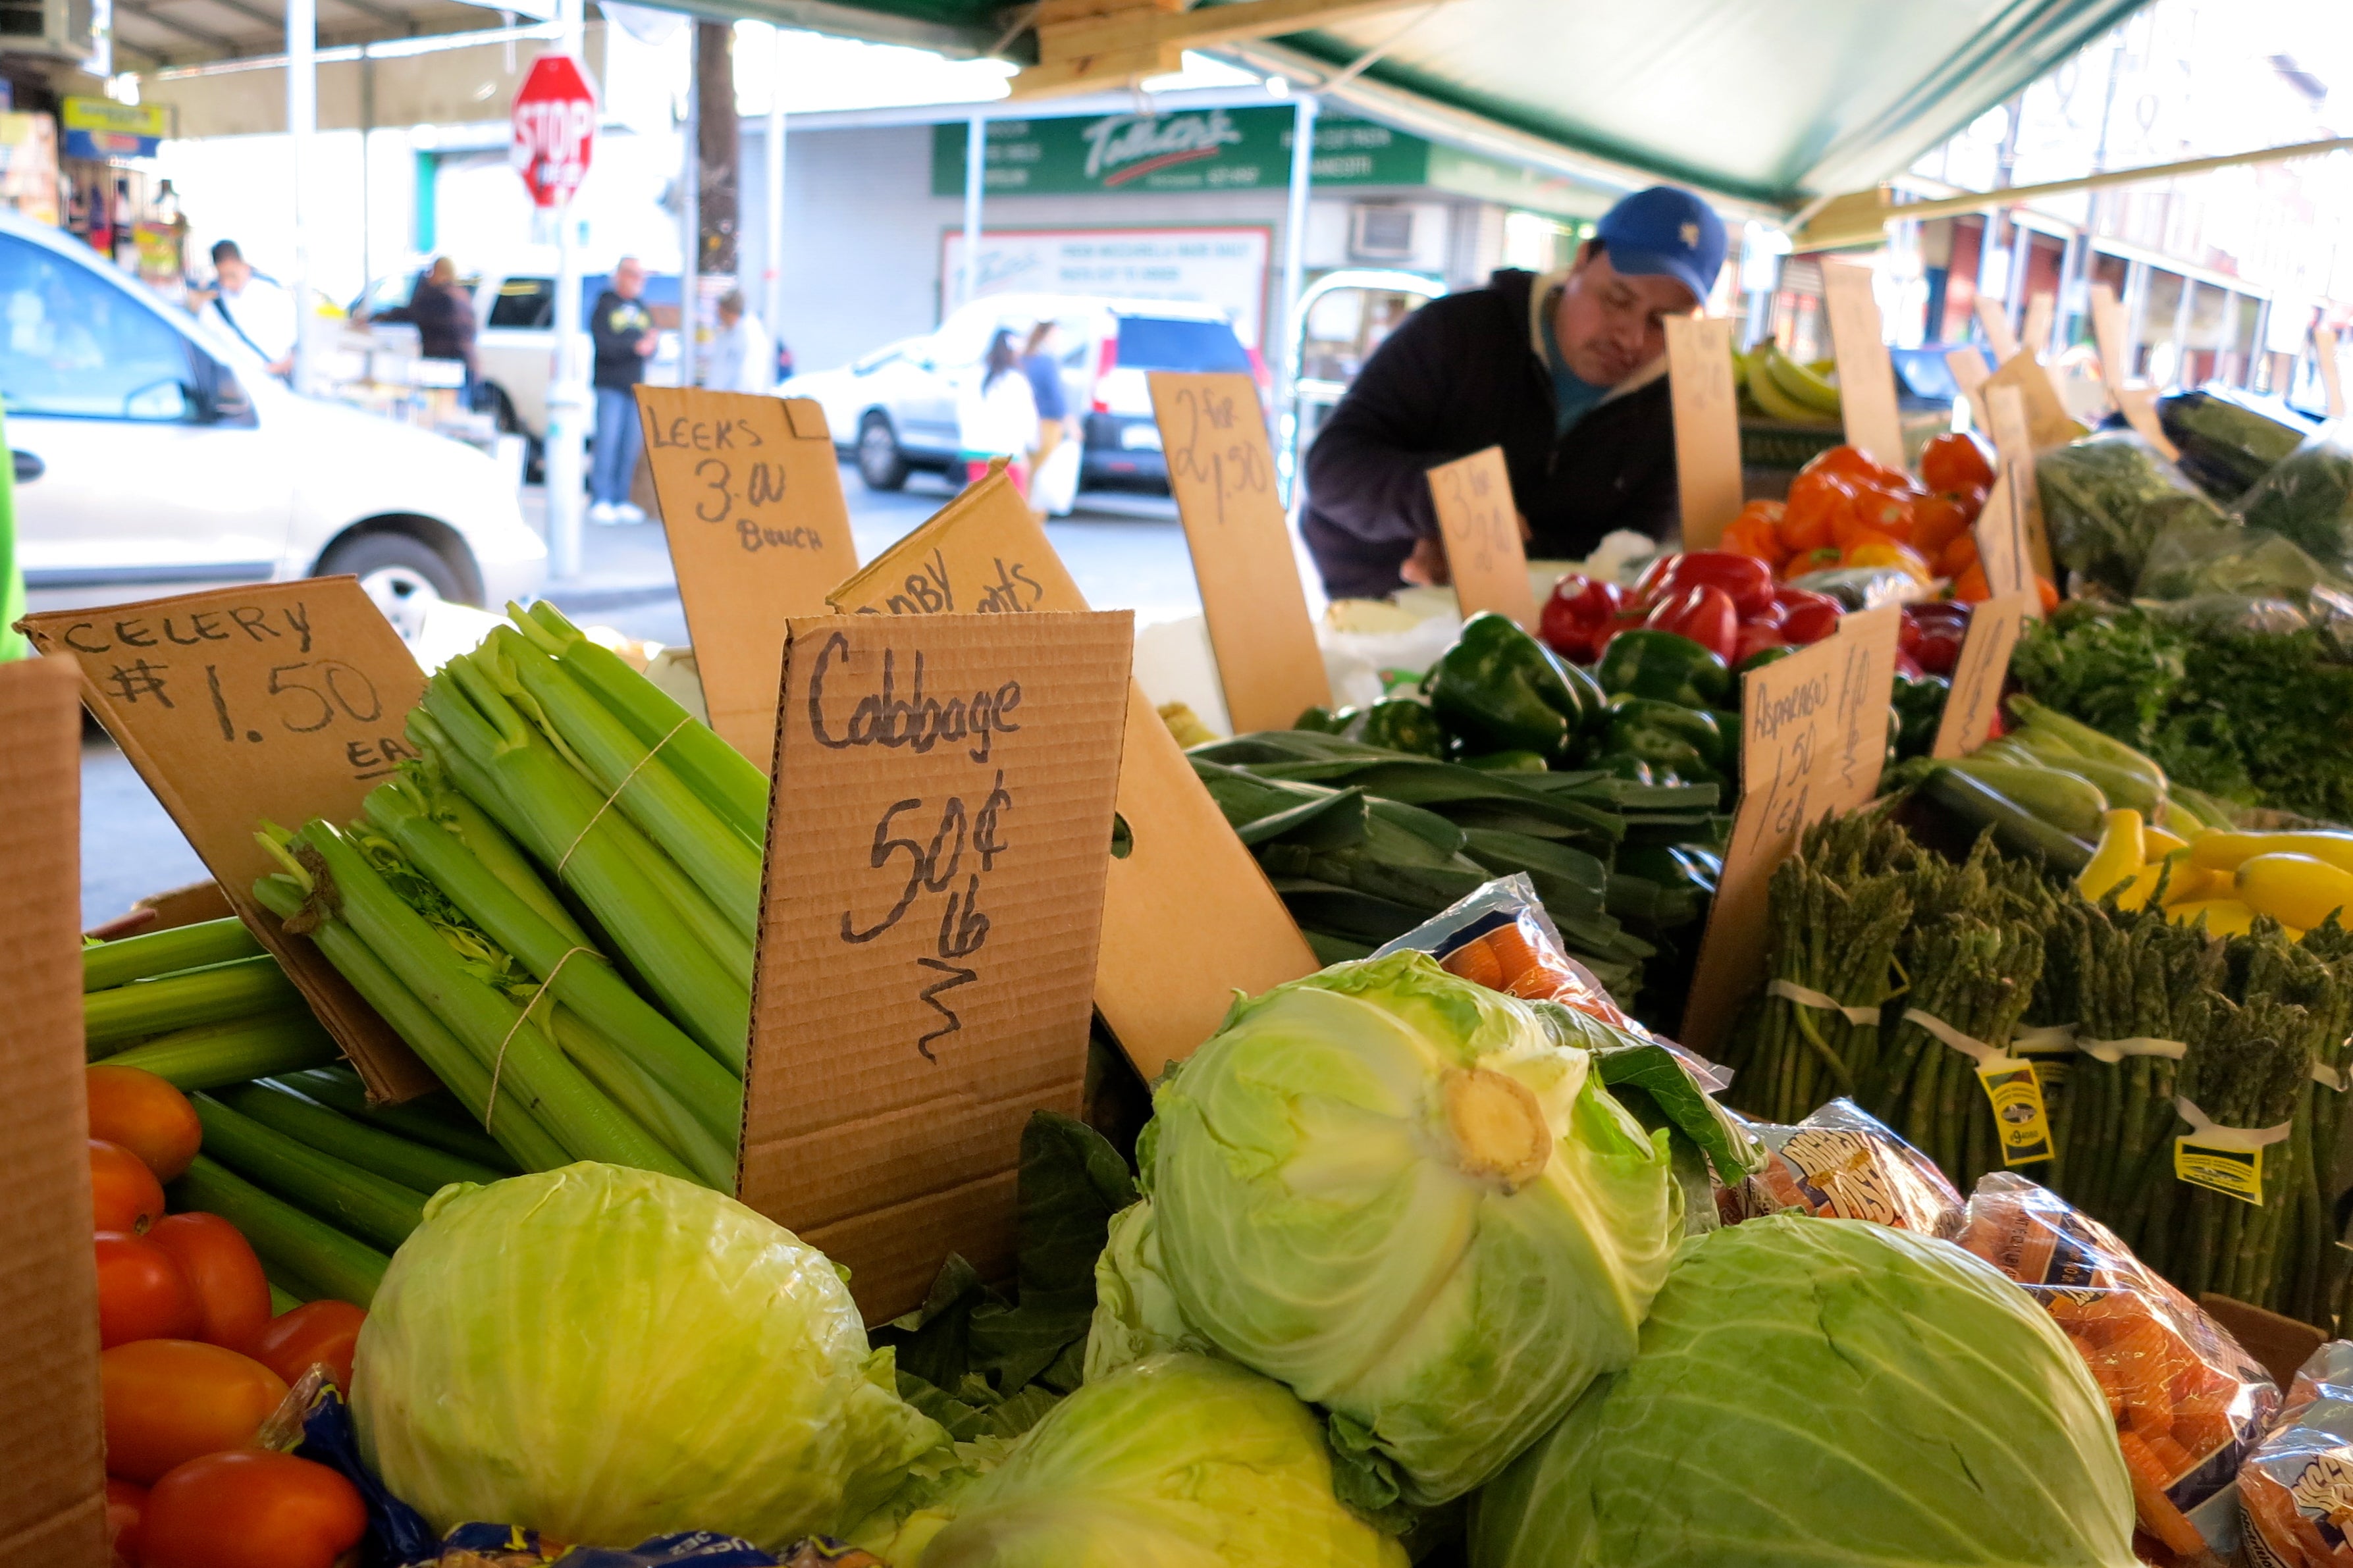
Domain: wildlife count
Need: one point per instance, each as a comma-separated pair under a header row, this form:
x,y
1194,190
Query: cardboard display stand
x,y
1479,524
750,501
53,1484
276,700
2010,403
1813,739
1221,471
1707,425
932,895
1974,700
2134,400
1993,317
1188,918
1866,376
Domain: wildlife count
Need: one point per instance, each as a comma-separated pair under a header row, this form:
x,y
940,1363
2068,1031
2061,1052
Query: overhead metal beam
x,y
210,39
406,24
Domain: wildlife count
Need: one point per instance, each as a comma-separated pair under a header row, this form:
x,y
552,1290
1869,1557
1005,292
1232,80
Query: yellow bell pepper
x,y
2225,917
2118,859
2226,851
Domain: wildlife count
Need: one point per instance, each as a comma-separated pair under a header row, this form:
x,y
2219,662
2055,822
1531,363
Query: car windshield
x,y
525,303
1164,342
72,343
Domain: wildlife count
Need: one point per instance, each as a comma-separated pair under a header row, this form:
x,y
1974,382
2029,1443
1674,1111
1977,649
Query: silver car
x,y
153,455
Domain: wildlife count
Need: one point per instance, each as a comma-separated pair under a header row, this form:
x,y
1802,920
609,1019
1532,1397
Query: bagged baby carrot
x,y
1500,936
1843,1164
2295,1491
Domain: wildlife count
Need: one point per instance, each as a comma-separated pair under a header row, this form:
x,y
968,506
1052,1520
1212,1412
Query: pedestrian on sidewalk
x,y
441,309
256,312
996,416
622,328
739,358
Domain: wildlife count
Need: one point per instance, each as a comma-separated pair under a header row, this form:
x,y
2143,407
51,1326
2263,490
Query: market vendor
x,y
1567,372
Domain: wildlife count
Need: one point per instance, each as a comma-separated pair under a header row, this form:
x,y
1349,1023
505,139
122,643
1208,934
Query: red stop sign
x,y
555,129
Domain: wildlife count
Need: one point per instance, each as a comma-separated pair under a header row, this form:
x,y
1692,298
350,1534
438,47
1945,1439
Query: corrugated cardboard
x,y
1188,918
1222,474
1707,425
282,701
2034,327
1993,316
1974,700
1969,372
2136,403
1866,377
938,837
2047,423
53,1480
751,500
1479,522
2010,419
1813,737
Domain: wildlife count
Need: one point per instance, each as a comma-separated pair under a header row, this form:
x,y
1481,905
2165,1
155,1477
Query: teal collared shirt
x,y
1572,397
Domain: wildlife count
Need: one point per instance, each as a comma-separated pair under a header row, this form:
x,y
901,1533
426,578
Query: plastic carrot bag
x,y
2295,1491
1841,1163
1501,937
2190,1403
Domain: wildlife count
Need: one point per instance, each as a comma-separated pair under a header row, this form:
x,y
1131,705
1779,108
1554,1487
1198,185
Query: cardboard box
x,y
53,1480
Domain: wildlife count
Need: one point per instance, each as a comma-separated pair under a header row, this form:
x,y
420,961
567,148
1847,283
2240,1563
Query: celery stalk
x,y
290,1242
513,1122
386,1155
234,990
353,1201
437,1121
233,1050
109,964
630,1086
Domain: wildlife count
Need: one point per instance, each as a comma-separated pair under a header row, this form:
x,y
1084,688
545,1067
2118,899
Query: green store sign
x,y
1203,149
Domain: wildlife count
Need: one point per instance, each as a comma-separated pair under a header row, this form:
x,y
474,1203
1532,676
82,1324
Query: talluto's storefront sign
x,y
1203,150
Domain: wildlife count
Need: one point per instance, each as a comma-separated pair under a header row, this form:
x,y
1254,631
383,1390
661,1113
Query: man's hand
x,y
1426,567
647,344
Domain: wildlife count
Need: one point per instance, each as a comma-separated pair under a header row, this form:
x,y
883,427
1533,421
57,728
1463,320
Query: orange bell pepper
x,y
1817,499
1752,535
1969,587
1936,520
1958,556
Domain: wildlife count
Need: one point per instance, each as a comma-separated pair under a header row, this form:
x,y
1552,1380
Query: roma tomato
x,y
231,1293
1954,462
145,1115
170,1401
251,1508
141,1292
124,1194
313,1331
126,1506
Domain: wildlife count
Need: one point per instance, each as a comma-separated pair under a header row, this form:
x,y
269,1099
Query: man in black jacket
x,y
1566,372
622,328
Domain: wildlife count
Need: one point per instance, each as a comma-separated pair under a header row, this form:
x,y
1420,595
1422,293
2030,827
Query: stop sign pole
x,y
554,120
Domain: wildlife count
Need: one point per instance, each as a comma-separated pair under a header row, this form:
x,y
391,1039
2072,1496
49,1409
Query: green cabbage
x,y
1408,1198
1174,1461
1136,1313
606,1354
1816,1391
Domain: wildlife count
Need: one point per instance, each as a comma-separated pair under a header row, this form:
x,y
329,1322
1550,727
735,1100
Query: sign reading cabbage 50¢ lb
x,y
282,701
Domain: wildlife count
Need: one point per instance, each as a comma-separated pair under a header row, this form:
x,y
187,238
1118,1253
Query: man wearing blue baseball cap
x,y
1567,372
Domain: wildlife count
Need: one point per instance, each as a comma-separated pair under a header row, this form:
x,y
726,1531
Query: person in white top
x,y
740,357
996,414
257,312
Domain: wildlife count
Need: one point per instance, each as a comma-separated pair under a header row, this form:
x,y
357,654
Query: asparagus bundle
x,y
199,1006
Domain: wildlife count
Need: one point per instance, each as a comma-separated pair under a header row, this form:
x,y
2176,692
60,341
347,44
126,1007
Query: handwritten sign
x,y
1707,425
2034,332
1813,737
283,701
1222,474
1974,700
932,895
1969,372
1188,918
2332,375
751,500
2009,418
2134,400
1993,320
1866,377
1480,524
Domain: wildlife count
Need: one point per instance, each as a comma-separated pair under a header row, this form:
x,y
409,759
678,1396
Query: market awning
x,y
155,33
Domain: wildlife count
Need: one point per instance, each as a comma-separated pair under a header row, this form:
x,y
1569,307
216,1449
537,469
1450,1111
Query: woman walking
x,y
996,416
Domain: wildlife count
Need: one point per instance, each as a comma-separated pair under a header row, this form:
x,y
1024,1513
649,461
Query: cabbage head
x,y
1136,1313
1407,1197
1816,1391
606,1355
1174,1461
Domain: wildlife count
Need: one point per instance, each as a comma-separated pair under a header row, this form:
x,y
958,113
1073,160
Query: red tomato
x,y
141,1292
124,1194
1809,624
126,1505
1701,613
168,1401
251,1507
313,1331
145,1115
231,1293
1954,462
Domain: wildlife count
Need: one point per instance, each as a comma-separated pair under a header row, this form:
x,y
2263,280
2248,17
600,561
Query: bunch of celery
x,y
559,897
200,1005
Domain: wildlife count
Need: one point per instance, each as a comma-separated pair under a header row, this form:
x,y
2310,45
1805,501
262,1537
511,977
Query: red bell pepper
x,y
1579,616
1938,649
1702,613
1755,638
1807,624
1746,580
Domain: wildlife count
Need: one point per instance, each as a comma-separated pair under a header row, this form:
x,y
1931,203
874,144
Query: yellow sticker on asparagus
x,y
2234,1172
2020,1118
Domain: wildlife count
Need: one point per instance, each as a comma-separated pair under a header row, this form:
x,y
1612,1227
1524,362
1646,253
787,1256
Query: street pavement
x,y
1126,552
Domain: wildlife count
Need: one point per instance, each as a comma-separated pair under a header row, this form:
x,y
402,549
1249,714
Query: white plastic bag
x,y
1054,488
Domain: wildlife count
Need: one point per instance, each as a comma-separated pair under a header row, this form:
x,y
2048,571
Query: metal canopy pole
x,y
690,211
774,177
567,398
975,178
1294,276
301,124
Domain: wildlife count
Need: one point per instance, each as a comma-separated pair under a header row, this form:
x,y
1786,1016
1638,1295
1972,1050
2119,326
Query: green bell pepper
x,y
1499,689
1760,659
1400,725
1670,737
1505,762
1919,708
1648,663
1319,718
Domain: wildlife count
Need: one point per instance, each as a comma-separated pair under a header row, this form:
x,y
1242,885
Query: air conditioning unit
x,y
63,30
1380,231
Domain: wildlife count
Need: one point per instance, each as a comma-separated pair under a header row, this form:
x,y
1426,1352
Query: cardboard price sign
x,y
1222,473
1480,524
1188,918
1971,705
1866,376
932,894
2332,375
2008,415
1813,737
283,701
2034,330
1969,372
1993,318
1707,425
53,1504
2047,423
751,499
2136,403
